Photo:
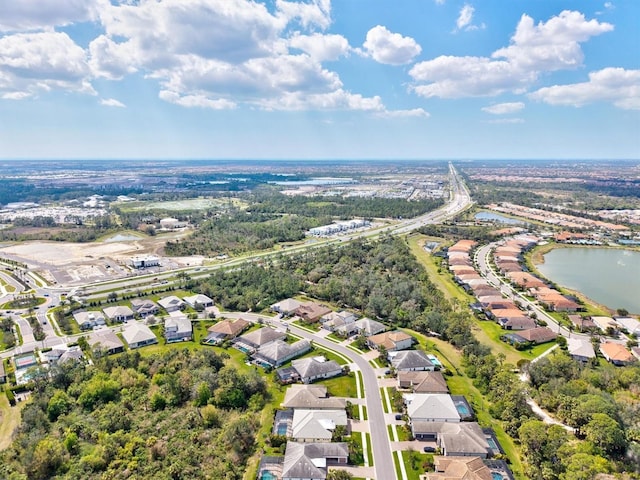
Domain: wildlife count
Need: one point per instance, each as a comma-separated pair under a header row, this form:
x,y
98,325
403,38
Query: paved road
x,y
380,446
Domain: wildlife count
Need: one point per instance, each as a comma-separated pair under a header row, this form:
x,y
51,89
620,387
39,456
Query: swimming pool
x,y
267,475
492,444
494,476
462,409
281,429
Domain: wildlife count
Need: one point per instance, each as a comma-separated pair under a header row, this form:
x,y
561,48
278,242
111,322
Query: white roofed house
x,y
138,335
178,329
88,320
118,313
368,327
316,425
630,324
286,307
106,341
198,299
580,349
427,407
171,303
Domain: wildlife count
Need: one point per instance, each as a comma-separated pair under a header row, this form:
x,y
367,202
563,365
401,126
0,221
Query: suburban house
x,y
171,303
316,425
462,439
513,319
144,307
458,468
198,299
90,319
278,352
630,324
137,335
616,353
177,329
225,330
605,324
533,336
582,324
558,303
311,312
340,322
580,349
106,341
316,368
427,407
3,375
286,307
119,313
311,397
423,382
392,341
253,340
410,360
368,327
309,461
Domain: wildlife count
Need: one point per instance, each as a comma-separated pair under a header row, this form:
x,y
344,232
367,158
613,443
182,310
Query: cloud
x,y
321,47
390,48
111,102
506,121
534,49
465,17
616,85
336,100
504,108
29,15
199,101
38,62
411,113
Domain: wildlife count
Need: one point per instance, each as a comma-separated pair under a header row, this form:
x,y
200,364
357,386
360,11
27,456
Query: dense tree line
x,y
178,415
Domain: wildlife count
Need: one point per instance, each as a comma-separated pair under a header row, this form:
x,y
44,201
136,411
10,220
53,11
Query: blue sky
x,y
424,79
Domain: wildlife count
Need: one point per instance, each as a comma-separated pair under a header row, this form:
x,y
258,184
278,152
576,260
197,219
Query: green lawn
x,y
384,401
9,419
364,413
416,463
369,449
342,386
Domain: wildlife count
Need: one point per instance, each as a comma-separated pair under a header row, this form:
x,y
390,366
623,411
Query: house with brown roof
x,y
423,381
311,312
391,341
225,330
581,323
458,468
311,396
525,280
533,336
258,338
616,354
558,303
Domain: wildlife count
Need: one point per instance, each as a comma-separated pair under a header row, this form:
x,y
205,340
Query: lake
x,y
494,217
611,277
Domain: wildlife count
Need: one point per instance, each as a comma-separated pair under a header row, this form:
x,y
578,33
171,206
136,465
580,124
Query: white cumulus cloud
x,y
465,17
616,85
199,101
410,113
28,15
504,108
111,102
321,47
390,48
534,49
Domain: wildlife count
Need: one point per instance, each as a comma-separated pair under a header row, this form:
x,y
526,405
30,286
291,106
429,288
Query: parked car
x,y
429,449
398,416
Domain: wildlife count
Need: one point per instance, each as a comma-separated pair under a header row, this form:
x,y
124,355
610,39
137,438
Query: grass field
x,y
9,420
342,386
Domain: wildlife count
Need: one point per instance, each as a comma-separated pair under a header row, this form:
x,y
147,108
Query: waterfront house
x,y
606,324
616,354
631,325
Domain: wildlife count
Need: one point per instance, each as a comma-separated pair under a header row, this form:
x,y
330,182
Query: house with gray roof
x,y
310,461
137,335
411,361
311,397
144,307
118,313
368,327
454,439
316,368
178,329
423,381
316,425
88,319
171,303
258,338
340,322
580,349
105,340
431,407
278,352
